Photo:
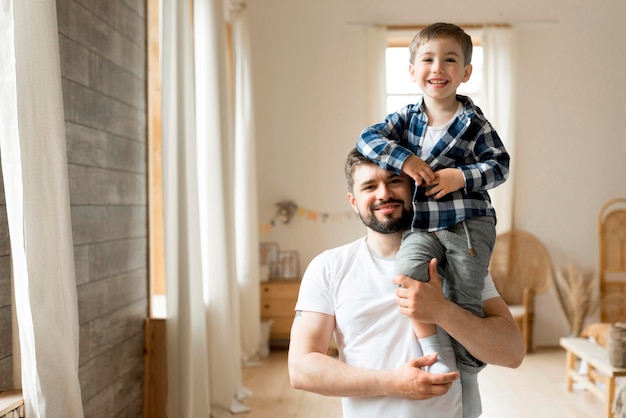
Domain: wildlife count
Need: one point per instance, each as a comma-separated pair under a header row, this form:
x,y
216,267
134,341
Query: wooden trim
x,y
152,390
155,372
155,155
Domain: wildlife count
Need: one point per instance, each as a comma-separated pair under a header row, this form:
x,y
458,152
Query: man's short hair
x,y
354,159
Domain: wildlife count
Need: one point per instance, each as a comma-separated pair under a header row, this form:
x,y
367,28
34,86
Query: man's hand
x,y
411,382
417,169
494,338
447,180
420,300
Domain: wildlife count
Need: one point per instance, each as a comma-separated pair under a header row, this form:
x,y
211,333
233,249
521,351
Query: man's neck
x,y
384,245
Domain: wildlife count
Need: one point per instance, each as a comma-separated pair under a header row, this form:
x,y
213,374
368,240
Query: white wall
x,y
311,105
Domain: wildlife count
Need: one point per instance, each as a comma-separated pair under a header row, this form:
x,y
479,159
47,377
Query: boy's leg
x,y
416,251
466,270
414,255
470,395
465,273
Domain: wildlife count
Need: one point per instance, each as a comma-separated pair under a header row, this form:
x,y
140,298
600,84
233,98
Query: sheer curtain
x,y
32,146
498,99
246,212
204,372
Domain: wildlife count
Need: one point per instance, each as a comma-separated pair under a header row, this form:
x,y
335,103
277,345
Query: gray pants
x,y
463,274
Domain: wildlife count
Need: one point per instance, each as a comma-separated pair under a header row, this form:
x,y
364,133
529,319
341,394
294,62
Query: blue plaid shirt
x,y
470,144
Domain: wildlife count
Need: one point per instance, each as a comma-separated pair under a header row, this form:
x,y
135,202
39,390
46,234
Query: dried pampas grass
x,y
575,290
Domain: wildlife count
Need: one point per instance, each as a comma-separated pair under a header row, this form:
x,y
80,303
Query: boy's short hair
x,y
442,30
354,159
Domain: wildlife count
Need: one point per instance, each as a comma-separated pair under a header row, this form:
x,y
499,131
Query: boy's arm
x,y
380,143
492,168
311,369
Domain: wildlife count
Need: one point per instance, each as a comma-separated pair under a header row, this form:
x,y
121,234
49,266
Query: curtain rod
x,y
463,25
415,27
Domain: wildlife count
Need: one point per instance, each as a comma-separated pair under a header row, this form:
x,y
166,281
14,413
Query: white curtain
x,y
374,66
32,147
498,100
204,372
246,211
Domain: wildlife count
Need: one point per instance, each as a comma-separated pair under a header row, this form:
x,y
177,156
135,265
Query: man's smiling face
x,y
381,198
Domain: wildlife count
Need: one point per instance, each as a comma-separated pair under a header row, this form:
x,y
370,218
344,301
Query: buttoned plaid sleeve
x,y
385,143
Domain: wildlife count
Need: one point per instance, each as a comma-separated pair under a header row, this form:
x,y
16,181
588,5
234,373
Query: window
x,y
402,91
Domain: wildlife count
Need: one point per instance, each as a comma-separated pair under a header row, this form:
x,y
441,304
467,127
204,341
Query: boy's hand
x,y
421,172
447,180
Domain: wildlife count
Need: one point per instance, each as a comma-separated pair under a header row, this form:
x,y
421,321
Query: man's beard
x,y
389,225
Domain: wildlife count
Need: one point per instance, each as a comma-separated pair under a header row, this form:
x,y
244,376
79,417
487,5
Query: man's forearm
x,y
312,370
316,372
319,373
494,339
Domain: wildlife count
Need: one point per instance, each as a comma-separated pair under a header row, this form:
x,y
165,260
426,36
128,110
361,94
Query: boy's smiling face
x,y
439,68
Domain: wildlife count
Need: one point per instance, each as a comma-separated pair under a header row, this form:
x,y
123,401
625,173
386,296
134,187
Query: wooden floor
x,y
535,389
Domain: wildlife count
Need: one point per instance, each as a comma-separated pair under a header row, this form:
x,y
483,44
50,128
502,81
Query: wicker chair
x,y
521,269
612,260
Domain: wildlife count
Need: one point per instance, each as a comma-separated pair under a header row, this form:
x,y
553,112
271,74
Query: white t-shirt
x,y
355,286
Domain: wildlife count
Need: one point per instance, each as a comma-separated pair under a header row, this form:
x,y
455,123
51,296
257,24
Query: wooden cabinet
x,y
278,300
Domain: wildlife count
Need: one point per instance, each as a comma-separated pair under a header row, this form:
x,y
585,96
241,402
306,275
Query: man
x,y
349,291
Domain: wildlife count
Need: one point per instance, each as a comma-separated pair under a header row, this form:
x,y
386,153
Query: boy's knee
x,y
416,271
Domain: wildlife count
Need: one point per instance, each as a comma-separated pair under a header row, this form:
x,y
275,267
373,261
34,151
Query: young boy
x,y
448,147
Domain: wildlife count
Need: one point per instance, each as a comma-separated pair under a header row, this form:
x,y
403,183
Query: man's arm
x,y
312,370
494,339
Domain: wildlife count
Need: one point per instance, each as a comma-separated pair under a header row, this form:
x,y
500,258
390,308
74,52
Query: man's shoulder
x,y
345,250
331,265
334,261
